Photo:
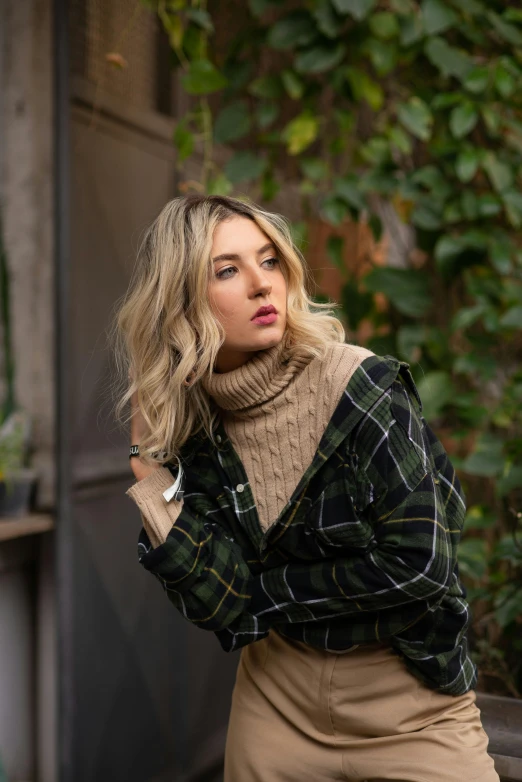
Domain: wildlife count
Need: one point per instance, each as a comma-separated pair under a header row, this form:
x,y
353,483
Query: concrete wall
x,y
26,645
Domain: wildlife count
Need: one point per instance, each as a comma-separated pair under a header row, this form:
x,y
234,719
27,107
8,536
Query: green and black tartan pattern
x,y
365,549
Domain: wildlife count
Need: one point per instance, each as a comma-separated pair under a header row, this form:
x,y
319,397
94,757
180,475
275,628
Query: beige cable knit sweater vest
x,y
274,411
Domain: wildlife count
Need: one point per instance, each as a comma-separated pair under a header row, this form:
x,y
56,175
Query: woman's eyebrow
x,y
236,257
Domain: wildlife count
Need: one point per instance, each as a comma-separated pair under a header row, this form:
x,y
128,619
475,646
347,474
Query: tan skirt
x,y
304,715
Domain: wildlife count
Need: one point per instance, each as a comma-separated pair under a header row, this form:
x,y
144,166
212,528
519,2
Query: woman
x,y
295,503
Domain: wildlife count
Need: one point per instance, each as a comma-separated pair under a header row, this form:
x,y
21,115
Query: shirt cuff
x,y
157,514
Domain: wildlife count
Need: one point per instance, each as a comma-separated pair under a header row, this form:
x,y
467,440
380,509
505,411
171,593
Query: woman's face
x,y
246,276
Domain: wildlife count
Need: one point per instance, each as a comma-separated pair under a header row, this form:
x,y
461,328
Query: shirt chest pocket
x,y
336,518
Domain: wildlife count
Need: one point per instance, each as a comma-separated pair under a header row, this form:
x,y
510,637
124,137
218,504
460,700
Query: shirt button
x,y
240,488
218,438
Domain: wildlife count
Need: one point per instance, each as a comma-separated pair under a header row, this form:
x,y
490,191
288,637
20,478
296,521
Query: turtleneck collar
x,y
258,381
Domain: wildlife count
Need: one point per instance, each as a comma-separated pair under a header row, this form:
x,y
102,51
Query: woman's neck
x,y
259,380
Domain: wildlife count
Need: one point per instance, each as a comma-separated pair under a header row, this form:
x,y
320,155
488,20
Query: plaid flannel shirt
x,y
365,549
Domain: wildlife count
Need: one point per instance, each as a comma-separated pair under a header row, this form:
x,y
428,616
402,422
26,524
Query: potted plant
x,y
17,479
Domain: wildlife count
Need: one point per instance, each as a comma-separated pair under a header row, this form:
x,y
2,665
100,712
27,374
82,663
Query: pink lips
x,y
265,320
265,315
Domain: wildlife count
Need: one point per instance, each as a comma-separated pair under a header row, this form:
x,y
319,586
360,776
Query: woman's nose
x,y
261,283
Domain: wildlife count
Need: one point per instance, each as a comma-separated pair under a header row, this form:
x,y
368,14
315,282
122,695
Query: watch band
x,y
135,451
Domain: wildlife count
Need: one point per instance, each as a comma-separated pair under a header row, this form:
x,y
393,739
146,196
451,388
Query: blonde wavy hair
x,y
164,336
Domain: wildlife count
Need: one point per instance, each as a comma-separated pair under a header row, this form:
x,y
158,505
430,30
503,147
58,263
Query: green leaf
x,y
492,120
376,151
300,132
200,17
409,340
183,141
292,84
384,25
478,517
269,186
412,29
295,29
434,180
506,31
202,78
244,166
365,88
258,7
383,54
266,113
477,79
487,460
504,82
436,390
472,245
466,317
219,185
357,305
333,210
508,606
463,119
484,367
509,481
359,9
400,140
407,289
512,200
467,164
472,558
426,218
488,205
376,227
266,87
232,123
334,250
313,168
299,231
512,318
443,100
437,17
327,20
346,188
416,117
447,59
319,59
403,7
447,249
499,173
469,204
500,250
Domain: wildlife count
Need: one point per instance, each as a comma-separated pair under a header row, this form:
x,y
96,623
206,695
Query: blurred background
x,y
390,133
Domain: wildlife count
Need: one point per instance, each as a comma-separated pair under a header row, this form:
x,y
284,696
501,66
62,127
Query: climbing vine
x,y
416,105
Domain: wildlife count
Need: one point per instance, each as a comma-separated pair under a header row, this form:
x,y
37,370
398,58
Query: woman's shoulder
x,y
342,359
346,351
331,373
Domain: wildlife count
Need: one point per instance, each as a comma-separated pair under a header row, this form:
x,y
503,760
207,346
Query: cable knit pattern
x,y
275,411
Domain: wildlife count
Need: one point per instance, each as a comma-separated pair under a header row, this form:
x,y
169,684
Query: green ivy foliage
x,y
417,104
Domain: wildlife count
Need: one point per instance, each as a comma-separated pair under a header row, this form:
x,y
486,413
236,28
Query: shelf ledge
x,y
33,524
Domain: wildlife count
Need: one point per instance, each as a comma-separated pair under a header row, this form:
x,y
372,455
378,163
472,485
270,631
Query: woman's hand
x,y
138,429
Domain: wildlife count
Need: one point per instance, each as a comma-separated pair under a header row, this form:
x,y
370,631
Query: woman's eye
x,y
273,261
223,273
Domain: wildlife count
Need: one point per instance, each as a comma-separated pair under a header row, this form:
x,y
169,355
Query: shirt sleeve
x,y
199,565
409,555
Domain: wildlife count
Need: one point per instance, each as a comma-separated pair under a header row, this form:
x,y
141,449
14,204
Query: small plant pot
x,y
17,496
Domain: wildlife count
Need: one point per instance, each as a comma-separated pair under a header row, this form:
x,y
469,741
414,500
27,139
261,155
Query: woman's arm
x,y
201,569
